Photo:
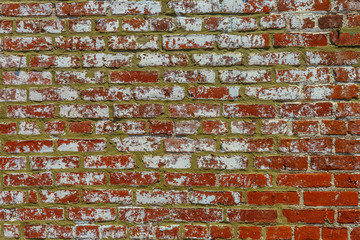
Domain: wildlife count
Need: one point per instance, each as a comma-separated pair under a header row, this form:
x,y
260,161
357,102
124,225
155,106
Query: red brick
x,y
307,233
243,41
44,162
81,9
273,22
311,75
345,39
195,231
353,127
197,214
281,162
135,8
278,232
160,59
106,60
106,25
80,43
55,127
333,127
79,25
220,93
161,127
139,214
12,197
347,180
247,145
299,40
331,198
353,20
80,127
27,43
45,61
23,179
304,180
309,216
348,109
275,58
61,196
245,180
33,196
251,215
27,10
243,127
130,42
107,196
215,198
306,127
221,232
129,77
306,5
330,21
27,78
215,127
297,110
194,110
136,110
137,144
350,5
31,111
114,232
348,216
274,127
44,214
332,233
80,178
306,145
6,26
91,214
81,145
70,77
271,198
159,197
230,24
134,178
141,232
87,231
162,24
114,162
347,145
12,231
53,26
27,26
176,42
332,58
190,179
8,128
250,232
335,162
251,6
345,74
331,92
251,110
29,146
35,231
355,234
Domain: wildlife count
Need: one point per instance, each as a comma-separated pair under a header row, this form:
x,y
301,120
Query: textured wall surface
x,y
180,119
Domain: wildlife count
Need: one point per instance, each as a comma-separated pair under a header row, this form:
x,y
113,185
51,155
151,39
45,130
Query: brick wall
x,y
200,119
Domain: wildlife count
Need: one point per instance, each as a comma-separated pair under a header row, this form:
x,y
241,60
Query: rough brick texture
x,y
180,119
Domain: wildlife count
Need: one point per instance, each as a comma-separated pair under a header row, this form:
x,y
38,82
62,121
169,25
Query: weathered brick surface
x,y
180,119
